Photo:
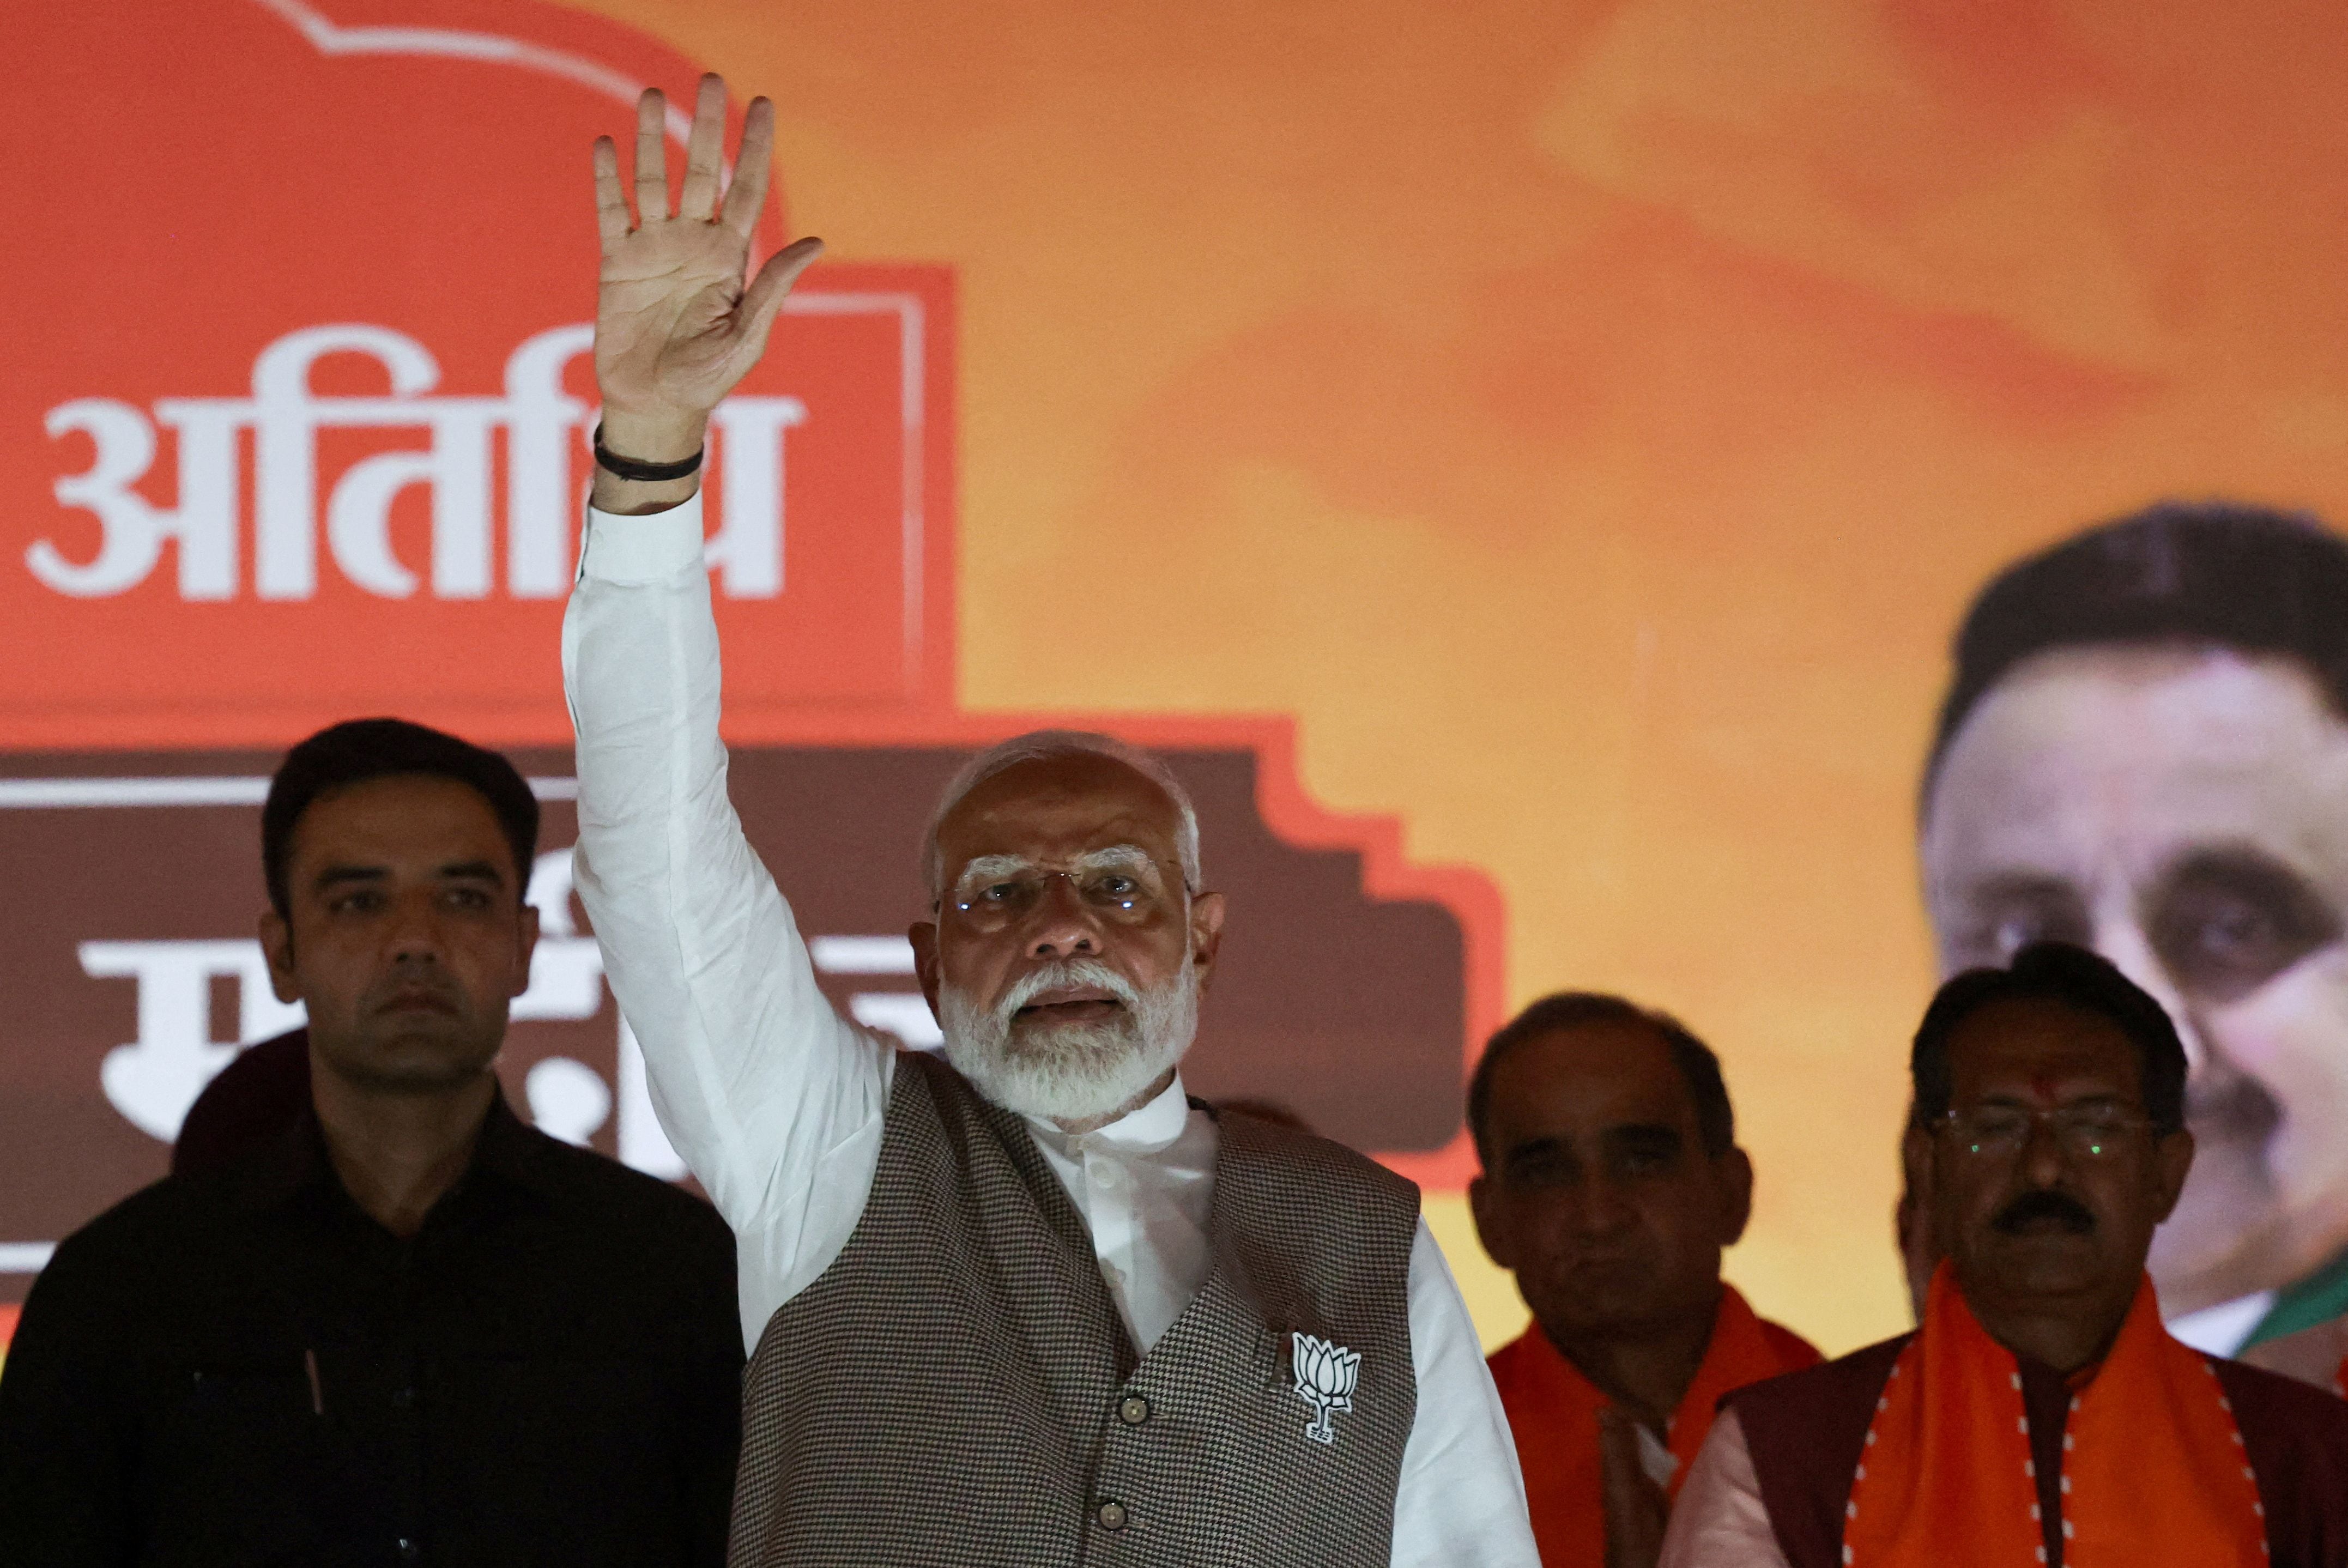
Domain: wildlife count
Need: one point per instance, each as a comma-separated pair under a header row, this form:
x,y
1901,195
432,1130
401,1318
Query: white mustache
x,y
1062,973
1068,1069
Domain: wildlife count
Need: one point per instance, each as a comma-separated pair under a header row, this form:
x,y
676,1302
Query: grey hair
x,y
1038,745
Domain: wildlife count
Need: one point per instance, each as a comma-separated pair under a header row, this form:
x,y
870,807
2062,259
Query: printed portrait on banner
x,y
2145,750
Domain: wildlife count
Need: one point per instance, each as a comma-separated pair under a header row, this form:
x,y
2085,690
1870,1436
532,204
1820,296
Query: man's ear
x,y
923,935
2172,1162
1491,1227
1207,911
277,947
529,947
1916,1157
1735,1172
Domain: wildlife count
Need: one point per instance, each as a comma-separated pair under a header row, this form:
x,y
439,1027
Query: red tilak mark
x,y
2042,1085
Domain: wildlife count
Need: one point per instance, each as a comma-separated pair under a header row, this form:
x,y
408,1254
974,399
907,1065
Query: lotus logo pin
x,y
1325,1375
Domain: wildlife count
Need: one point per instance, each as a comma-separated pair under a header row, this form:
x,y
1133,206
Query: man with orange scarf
x,y
1611,1183
2041,1413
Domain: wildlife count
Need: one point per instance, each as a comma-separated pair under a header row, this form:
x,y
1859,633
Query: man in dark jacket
x,y
395,1326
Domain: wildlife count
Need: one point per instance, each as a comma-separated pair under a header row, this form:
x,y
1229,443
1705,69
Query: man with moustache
x,y
2145,750
388,1322
1611,1183
2040,1412
1027,1303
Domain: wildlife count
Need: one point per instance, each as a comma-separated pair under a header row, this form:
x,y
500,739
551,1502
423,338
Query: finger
x,y
767,291
611,222
704,151
747,195
651,157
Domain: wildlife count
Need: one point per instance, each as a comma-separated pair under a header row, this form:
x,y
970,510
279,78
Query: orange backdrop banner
x,y
1531,459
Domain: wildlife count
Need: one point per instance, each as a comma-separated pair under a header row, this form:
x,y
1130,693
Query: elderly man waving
x,y
1028,1303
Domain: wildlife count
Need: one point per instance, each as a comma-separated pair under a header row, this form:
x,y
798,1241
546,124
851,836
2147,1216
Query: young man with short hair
x,y
398,1325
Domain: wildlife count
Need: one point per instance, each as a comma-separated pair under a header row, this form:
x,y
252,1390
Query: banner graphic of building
x,y
301,388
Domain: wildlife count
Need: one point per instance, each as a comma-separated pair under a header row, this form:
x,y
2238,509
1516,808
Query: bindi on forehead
x,y
2058,1086
2044,1051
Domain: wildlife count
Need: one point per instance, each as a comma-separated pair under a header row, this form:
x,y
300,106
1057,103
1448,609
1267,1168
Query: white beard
x,y
1071,1072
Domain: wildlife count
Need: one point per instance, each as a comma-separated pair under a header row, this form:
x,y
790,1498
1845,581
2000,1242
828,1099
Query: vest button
x,y
1133,1410
1112,1515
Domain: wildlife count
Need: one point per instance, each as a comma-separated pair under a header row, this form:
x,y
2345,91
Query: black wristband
x,y
642,472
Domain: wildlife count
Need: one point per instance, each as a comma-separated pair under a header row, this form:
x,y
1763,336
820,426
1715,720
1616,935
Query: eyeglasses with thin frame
x,y
1123,887
2087,1132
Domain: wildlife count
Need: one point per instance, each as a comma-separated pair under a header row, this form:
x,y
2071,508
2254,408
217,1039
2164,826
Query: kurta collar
x,y
1149,1128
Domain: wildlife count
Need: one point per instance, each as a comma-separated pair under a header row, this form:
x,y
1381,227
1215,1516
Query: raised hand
x,y
675,328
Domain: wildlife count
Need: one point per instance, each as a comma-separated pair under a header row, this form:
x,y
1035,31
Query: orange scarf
x,y
1554,1413
2153,1470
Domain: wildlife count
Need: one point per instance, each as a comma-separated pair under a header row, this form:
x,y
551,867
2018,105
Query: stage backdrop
x,y
1525,463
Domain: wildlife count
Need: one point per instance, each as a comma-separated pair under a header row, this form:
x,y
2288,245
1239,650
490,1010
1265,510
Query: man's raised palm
x,y
675,328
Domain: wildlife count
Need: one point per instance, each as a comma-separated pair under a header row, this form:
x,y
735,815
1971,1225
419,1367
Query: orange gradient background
x,y
1589,423
1586,423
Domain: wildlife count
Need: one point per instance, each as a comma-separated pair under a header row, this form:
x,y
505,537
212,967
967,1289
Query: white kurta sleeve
x,y
1720,1520
1461,1503
773,1099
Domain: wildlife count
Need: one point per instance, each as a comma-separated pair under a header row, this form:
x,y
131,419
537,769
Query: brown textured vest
x,y
958,1388
1807,1431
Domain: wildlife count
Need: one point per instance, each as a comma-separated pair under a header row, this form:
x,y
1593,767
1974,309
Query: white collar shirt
x,y
778,1103
1144,1185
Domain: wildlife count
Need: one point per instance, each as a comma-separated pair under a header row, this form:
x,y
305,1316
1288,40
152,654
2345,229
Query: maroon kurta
x,y
1805,1432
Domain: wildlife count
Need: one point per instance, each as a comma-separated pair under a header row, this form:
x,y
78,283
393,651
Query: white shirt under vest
x,y
776,1101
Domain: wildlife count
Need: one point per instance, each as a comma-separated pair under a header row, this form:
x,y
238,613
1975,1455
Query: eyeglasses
x,y
2085,1132
1124,889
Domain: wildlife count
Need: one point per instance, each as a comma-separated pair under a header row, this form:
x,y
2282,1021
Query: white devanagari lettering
x,y
748,548
543,425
